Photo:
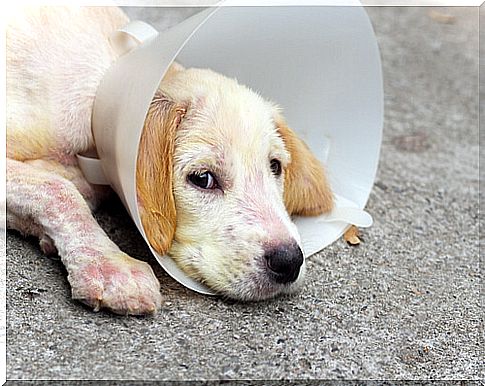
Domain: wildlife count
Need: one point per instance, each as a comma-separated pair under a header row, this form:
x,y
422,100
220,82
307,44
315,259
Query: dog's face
x,y
226,177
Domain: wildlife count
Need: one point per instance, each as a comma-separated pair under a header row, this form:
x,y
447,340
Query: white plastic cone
x,y
320,64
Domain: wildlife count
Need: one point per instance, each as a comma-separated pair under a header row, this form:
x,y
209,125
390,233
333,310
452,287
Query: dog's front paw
x,y
116,282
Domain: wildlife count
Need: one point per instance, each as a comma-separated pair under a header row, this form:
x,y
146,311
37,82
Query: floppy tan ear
x,y
306,188
154,172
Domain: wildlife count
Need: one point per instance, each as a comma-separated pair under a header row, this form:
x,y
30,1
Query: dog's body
x,y
217,164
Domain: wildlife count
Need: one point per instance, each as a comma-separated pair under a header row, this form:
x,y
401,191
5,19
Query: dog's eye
x,y
203,180
275,167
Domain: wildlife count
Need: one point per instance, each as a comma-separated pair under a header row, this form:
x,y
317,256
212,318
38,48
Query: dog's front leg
x,y
100,274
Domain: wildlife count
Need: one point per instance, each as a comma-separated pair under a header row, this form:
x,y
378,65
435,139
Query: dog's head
x,y
219,174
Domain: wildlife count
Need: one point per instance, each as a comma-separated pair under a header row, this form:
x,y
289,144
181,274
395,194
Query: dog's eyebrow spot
x,y
203,157
279,150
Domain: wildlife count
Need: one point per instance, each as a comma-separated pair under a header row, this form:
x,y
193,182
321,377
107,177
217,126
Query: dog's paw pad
x,y
119,283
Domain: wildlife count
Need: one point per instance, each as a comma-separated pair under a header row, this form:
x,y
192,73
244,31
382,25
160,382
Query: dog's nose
x,y
284,262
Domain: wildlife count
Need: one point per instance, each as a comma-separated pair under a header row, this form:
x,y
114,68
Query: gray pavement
x,y
402,305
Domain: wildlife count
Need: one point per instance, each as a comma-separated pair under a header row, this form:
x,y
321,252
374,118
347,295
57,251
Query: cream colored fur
x,y
199,121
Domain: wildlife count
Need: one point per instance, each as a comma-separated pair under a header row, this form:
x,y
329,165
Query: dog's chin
x,y
259,286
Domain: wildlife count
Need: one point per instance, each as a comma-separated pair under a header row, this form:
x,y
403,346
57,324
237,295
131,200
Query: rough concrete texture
x,y
402,305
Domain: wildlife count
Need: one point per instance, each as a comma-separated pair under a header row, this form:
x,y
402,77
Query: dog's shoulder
x,y
55,58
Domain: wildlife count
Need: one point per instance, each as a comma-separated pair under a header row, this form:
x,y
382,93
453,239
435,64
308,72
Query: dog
x,y
219,172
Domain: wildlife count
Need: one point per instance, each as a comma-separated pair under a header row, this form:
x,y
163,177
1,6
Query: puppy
x,y
218,176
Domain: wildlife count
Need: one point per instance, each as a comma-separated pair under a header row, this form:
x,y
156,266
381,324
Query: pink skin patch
x,y
138,274
112,273
89,253
258,209
64,157
99,273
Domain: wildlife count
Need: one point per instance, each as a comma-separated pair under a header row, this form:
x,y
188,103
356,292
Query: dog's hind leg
x,y
28,227
100,274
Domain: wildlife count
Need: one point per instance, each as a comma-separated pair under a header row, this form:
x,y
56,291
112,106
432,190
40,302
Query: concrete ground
x,y
402,305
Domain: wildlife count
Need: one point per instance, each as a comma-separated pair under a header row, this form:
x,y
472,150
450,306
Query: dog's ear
x,y
306,189
154,173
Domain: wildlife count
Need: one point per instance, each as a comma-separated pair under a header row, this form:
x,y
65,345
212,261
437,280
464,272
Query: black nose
x,y
284,262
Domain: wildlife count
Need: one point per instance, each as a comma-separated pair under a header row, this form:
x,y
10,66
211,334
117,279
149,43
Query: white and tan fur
x,y
199,121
